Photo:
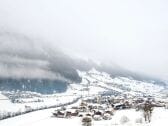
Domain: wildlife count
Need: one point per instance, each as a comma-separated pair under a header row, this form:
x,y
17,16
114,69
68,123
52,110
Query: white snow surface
x,y
44,118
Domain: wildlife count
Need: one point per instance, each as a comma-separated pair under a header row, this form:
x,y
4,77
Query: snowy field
x,y
44,118
7,108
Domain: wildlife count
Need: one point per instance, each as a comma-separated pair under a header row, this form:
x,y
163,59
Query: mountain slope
x,y
25,64
95,82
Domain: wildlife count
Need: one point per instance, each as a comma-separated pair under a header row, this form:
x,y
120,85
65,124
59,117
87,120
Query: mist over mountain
x,y
31,64
22,57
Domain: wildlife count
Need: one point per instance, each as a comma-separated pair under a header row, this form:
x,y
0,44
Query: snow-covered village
x,y
83,63
97,100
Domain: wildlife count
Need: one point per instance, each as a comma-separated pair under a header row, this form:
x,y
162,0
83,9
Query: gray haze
x,y
130,33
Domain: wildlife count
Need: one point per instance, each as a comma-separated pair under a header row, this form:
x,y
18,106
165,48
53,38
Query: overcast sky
x,y
130,33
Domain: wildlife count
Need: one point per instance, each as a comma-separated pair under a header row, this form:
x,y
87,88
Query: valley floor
x,y
44,118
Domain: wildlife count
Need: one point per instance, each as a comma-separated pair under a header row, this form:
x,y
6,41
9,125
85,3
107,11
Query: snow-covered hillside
x,y
95,82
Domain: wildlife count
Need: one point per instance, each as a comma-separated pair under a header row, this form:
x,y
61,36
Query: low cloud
x,y
132,34
22,58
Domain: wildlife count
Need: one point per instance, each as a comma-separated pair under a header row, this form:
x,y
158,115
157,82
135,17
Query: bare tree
x,y
148,108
